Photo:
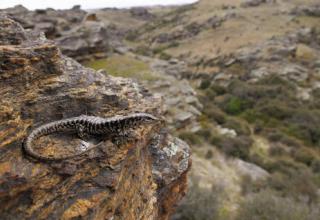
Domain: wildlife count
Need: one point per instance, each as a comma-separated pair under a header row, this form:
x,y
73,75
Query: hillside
x,y
254,67
238,80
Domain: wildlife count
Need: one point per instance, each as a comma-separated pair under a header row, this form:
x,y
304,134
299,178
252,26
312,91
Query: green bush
x,y
235,106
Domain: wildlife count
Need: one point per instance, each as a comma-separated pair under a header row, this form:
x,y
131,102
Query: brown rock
x,y
142,179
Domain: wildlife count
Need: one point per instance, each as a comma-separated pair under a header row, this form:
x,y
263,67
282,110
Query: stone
x,y
79,34
252,3
305,53
249,169
90,37
142,179
141,13
294,72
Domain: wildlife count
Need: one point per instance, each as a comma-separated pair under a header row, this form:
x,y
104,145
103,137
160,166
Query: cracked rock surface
x,y
142,179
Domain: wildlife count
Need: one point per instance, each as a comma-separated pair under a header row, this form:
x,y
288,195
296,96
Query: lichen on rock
x,y
136,180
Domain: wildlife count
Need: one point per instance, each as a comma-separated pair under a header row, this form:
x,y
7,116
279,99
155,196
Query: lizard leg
x,y
82,134
84,146
123,137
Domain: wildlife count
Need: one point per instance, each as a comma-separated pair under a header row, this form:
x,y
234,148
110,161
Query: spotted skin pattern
x,y
117,126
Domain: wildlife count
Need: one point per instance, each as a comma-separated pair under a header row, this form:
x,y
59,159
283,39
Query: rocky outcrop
x,y
86,41
255,3
141,179
307,10
78,34
141,13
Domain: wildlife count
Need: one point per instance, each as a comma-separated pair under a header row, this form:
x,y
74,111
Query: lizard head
x,y
146,118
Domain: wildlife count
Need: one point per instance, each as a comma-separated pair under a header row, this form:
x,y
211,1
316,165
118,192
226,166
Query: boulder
x,y
139,179
84,41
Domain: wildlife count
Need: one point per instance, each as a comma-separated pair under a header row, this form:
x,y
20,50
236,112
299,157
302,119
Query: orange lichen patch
x,y
5,167
81,206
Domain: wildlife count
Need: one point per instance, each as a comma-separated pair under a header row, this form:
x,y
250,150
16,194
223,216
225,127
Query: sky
x,y
88,4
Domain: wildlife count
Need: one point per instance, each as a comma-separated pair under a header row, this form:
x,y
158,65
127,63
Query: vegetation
x,y
125,66
267,205
201,203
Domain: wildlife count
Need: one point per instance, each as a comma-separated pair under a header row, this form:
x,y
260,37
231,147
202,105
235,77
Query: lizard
x,y
83,125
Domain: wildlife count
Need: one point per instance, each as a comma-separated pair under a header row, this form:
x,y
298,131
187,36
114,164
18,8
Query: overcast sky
x,y
88,4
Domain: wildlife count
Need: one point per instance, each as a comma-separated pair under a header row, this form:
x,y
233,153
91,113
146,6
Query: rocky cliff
x,y
142,179
77,33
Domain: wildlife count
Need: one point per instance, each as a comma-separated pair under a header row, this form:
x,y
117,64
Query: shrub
x,y
205,133
165,56
199,204
315,165
303,155
190,137
205,84
236,147
215,114
267,205
276,150
235,106
241,127
219,90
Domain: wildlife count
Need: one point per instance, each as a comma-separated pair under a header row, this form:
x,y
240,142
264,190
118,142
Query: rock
x,y
141,179
259,73
141,13
307,10
78,34
305,53
89,38
252,3
294,72
249,169
214,22
226,131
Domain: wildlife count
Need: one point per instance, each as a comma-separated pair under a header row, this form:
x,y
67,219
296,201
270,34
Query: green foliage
x,y
235,106
270,103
